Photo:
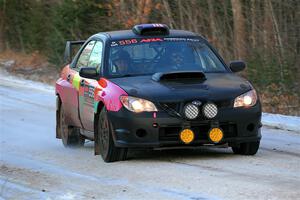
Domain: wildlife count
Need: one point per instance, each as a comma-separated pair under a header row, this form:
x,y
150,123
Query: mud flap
x,y
58,104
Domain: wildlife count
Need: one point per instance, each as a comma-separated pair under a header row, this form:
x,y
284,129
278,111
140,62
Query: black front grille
x,y
223,104
172,105
175,108
172,133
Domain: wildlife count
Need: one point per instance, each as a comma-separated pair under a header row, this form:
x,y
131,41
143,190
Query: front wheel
x,y
248,148
70,136
104,141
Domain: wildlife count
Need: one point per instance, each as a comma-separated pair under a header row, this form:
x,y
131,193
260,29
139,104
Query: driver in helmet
x,y
122,61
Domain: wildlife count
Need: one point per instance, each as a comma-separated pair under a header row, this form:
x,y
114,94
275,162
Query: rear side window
x,y
85,55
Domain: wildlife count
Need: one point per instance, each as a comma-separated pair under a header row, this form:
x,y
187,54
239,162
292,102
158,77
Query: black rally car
x,y
155,87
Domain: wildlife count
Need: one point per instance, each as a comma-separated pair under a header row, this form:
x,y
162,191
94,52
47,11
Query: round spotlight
x,y
210,110
191,111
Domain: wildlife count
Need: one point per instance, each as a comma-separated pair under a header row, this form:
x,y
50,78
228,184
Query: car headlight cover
x,y
246,100
137,105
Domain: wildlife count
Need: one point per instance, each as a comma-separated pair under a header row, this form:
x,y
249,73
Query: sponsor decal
x,y
89,91
113,44
151,40
147,40
76,81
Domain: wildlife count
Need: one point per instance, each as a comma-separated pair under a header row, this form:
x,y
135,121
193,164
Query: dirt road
x,y
35,165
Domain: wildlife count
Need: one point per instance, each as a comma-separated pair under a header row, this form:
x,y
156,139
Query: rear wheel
x,y
248,148
104,142
70,136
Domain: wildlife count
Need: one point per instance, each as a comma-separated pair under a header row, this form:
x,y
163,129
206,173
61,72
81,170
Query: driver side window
x,y
85,55
96,56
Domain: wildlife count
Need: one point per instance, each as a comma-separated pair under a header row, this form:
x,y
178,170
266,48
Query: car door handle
x,y
82,82
68,77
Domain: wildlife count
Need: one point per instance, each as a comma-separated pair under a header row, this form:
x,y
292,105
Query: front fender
x,y
108,93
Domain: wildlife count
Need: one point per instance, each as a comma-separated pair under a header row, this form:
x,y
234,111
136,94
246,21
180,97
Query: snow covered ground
x,y
290,123
35,165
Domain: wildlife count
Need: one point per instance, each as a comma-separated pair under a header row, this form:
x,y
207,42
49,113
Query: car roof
x,y
128,34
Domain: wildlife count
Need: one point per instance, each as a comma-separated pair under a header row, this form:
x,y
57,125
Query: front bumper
x,y
142,130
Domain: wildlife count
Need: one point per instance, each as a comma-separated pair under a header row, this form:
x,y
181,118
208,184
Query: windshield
x,y
135,57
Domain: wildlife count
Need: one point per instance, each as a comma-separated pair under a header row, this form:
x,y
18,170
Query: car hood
x,y
216,87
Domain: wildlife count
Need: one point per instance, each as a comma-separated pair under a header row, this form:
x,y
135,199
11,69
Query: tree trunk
x,y
180,11
239,29
2,27
213,27
253,23
278,38
169,13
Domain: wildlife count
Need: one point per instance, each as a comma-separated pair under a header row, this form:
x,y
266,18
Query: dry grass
x,y
32,66
22,60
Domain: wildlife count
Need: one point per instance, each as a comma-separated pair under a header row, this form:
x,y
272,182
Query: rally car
x,y
154,87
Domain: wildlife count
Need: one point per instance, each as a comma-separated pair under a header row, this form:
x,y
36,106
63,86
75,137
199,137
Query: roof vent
x,y
151,29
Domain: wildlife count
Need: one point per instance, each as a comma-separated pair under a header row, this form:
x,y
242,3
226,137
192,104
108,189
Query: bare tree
x,y
213,27
253,23
239,29
2,26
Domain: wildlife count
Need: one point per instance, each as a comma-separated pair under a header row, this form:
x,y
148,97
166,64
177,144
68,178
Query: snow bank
x,y
291,123
8,79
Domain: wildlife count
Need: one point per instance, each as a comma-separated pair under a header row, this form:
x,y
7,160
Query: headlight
x,y
246,100
137,105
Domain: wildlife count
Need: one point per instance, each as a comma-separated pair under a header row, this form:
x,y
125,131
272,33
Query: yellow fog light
x,y
187,136
215,135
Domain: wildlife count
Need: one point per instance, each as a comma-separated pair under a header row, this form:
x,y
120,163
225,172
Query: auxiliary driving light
x,y
191,111
210,110
215,135
187,136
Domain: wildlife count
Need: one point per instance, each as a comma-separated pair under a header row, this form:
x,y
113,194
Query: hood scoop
x,y
178,75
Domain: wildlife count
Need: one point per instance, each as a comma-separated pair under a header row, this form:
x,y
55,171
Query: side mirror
x,y
237,65
88,72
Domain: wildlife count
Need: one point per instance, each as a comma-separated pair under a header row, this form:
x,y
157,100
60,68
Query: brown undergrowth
x,y
32,66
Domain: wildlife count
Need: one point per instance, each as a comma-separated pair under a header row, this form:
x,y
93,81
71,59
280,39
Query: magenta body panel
x,y
78,102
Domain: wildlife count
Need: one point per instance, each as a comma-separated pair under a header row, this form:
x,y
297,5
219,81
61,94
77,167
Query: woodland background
x,y
264,33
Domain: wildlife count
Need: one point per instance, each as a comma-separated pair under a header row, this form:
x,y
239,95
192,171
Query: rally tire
x,y
70,136
248,148
104,140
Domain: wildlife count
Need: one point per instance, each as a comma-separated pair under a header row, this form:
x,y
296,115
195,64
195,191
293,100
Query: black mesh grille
x,y
174,109
171,105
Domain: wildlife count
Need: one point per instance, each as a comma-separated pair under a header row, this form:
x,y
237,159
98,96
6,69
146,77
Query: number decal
x,y
126,42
